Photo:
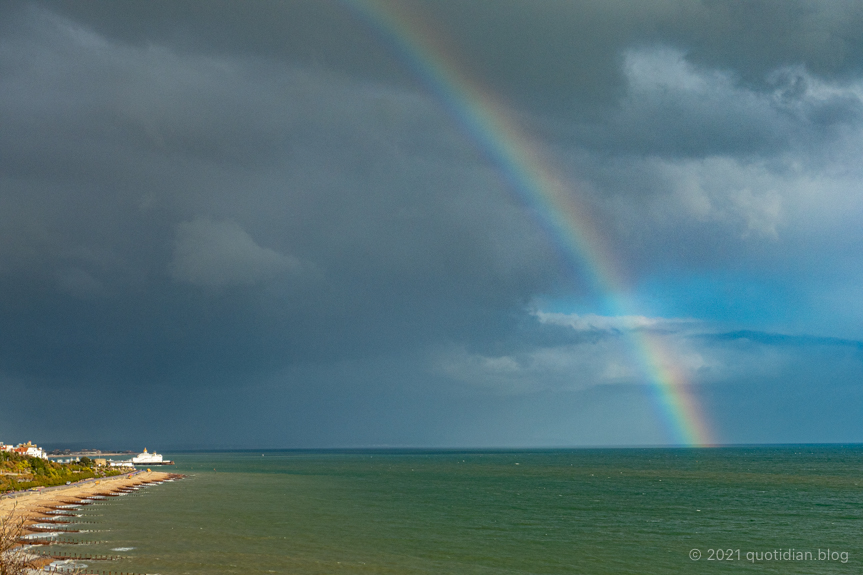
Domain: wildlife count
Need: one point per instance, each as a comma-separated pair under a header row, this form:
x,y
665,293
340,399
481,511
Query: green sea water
x,y
547,512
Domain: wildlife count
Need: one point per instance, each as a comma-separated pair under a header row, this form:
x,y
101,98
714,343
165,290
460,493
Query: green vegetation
x,y
18,472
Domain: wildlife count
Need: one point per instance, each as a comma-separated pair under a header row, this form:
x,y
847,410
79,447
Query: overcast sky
x,y
256,224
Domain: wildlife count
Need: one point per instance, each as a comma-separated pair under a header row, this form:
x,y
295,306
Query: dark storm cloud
x,y
167,211
256,213
323,34
564,50
585,70
595,70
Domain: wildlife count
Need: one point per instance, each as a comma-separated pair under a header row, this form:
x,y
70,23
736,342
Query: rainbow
x,y
539,187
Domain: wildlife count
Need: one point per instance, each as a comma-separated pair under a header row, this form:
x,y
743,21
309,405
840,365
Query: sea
x,y
786,509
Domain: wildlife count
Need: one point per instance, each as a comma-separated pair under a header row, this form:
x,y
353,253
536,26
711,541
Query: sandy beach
x,y
31,504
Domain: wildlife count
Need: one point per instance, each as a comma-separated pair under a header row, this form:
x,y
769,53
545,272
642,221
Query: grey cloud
x,y
555,55
79,283
597,354
227,205
220,253
756,38
674,109
600,57
758,216
112,151
568,56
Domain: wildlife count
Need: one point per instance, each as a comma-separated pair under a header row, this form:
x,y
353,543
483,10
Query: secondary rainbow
x,y
541,189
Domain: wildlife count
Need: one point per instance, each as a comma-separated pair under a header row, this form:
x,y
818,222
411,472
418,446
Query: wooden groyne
x,y
81,557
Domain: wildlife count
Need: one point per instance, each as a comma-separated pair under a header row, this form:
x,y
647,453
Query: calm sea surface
x,y
584,511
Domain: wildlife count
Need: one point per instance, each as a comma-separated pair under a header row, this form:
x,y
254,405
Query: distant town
x,y
99,458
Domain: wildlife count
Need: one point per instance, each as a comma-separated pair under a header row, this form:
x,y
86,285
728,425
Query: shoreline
x,y
32,504
37,510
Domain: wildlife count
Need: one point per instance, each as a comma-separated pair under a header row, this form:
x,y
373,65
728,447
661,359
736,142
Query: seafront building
x,y
27,449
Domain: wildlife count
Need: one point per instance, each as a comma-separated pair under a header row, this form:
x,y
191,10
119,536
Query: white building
x,y
26,449
35,451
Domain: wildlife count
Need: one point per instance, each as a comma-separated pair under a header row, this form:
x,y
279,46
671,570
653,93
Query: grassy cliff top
x,y
18,472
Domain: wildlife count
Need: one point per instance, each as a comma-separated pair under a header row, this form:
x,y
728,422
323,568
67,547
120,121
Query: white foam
x,y
41,535
66,566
